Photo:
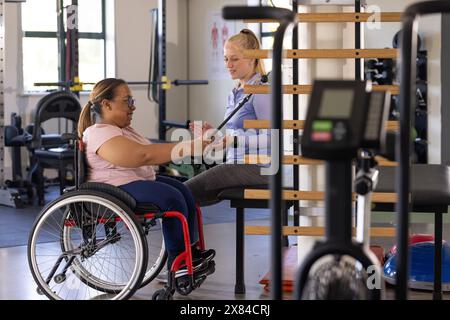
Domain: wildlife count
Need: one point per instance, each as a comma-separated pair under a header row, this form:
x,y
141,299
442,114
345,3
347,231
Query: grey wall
x,y
206,102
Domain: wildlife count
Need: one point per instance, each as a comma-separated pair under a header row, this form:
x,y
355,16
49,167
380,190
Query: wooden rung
x,y
297,124
294,160
287,89
393,89
325,54
306,89
392,126
314,231
265,124
258,194
383,162
300,160
339,17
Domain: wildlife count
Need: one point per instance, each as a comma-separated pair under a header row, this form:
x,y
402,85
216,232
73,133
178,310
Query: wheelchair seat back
x,y
82,184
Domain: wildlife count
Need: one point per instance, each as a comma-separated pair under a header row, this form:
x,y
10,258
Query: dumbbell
x,y
421,122
421,66
420,148
383,78
421,94
379,64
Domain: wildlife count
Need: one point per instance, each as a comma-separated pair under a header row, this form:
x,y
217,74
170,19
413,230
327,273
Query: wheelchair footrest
x,y
203,274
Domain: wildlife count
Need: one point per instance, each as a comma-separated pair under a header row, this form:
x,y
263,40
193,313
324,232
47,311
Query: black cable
x,y
153,65
264,79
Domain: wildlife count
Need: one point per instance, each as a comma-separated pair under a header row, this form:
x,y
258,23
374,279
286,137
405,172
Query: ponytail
x,y
260,67
85,120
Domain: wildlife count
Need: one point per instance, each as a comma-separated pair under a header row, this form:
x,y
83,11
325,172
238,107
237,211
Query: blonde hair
x,y
247,40
104,89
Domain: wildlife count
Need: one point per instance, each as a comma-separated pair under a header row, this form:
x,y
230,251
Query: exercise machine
x,y
343,117
17,138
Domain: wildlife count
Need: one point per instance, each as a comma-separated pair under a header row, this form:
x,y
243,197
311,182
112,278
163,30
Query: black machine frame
x,y
407,97
338,156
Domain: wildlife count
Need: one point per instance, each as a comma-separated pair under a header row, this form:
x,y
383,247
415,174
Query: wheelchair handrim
x,y
131,285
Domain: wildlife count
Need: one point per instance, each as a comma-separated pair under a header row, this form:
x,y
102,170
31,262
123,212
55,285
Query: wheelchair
x,y
96,243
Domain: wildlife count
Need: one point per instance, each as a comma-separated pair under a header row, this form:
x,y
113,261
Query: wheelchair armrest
x,y
69,189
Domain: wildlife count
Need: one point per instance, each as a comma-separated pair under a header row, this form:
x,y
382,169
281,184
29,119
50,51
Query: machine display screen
x,y
336,103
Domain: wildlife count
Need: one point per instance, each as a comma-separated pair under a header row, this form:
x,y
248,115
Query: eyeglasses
x,y
130,102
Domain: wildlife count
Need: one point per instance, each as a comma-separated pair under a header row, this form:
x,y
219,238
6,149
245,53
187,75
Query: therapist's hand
x,y
205,126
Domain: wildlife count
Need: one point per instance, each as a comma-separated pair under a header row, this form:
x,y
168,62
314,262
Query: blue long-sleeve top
x,y
257,108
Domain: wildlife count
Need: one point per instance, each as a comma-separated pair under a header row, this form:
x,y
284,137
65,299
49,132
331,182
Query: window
x,y
268,29
40,41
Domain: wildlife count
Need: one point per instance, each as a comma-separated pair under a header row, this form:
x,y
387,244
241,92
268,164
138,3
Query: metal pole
x,y
74,74
162,67
407,88
61,41
295,106
276,183
2,99
358,41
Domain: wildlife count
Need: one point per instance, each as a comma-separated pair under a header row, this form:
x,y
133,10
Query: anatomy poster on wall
x,y
218,31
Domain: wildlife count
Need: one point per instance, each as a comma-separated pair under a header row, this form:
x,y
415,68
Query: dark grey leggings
x,y
206,186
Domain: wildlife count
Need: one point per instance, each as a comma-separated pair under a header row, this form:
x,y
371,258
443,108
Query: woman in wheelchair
x,y
116,230
118,155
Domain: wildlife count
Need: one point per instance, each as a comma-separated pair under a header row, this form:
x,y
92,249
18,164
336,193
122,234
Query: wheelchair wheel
x,y
157,255
336,278
87,245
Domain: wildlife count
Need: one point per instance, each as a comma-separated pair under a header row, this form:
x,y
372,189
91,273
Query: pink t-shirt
x,y
101,170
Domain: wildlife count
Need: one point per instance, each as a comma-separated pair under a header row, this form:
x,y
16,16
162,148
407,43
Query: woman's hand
x,y
205,126
221,142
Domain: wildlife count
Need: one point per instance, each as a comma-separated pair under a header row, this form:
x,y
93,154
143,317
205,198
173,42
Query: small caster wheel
x,y
60,278
183,285
162,294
